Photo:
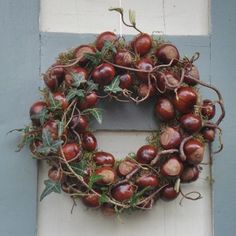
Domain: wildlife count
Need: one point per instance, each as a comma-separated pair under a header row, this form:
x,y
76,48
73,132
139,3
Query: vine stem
x,y
163,152
187,196
220,101
120,11
214,126
152,195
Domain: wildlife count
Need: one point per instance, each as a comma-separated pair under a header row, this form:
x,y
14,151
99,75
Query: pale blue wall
x,y
223,54
19,63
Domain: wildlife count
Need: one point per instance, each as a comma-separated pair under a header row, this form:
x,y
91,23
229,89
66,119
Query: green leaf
x,y
114,86
79,167
137,195
45,150
54,104
103,198
75,93
108,46
49,188
49,145
93,179
118,9
132,17
91,86
95,112
78,78
94,58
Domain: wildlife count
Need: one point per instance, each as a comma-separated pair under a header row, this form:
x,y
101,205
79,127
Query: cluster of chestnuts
x,y
146,69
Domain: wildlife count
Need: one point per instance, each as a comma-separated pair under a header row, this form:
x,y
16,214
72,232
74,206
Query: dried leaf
x,y
132,17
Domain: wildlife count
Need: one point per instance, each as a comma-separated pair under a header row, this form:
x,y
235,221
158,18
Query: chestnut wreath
x,y
111,68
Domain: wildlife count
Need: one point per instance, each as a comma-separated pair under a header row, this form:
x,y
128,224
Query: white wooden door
x,y
172,17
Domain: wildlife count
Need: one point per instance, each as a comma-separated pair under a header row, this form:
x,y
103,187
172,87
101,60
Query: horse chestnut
x,y
194,151
123,58
164,109
91,200
78,123
146,154
208,109
108,175
35,110
60,97
89,142
126,167
90,100
142,44
147,180
103,74
208,134
144,64
172,167
189,174
185,99
168,193
126,81
71,151
123,192
104,159
191,123
170,138
166,53
81,51
103,37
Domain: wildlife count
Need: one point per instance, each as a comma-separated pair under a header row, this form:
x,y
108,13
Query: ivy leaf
x,y
54,104
94,58
45,150
137,195
91,86
46,137
93,179
78,78
114,86
42,116
118,9
26,137
49,188
103,198
49,145
95,112
79,167
132,17
75,93
108,46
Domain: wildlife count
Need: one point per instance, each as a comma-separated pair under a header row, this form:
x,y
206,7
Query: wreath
x,y
136,71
